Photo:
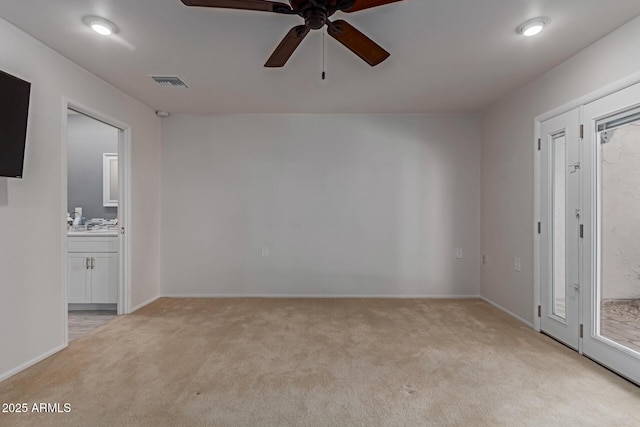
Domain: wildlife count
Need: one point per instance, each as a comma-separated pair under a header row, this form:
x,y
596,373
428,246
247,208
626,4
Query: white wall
x,y
32,211
348,205
508,157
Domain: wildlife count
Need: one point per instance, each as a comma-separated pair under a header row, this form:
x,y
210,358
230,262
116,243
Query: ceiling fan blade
x,y
367,4
287,46
368,50
263,5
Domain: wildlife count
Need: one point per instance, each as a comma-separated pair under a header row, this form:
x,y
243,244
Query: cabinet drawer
x,y
93,244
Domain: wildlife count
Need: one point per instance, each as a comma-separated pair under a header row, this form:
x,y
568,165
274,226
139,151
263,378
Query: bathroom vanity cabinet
x,y
92,269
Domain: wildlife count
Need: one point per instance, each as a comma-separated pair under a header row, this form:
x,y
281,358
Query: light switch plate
x,y
517,265
265,252
458,253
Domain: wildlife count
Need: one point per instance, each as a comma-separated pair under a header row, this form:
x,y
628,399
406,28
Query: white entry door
x,y
611,256
559,228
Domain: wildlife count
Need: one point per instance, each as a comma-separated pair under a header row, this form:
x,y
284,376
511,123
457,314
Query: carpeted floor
x,y
303,362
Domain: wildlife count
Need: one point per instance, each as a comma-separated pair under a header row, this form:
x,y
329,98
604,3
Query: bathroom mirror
x,y
110,179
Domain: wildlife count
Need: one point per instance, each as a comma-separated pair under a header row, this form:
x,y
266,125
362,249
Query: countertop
x,y
111,232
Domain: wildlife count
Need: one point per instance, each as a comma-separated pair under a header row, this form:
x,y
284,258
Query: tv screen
x,y
14,110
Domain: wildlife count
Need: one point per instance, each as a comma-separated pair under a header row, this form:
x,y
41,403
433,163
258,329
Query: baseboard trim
x,y
147,302
501,308
31,362
320,296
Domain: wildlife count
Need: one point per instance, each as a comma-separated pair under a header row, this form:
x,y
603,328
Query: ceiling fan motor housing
x,y
315,17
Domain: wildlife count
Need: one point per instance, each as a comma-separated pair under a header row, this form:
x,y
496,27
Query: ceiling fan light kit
x,y
316,14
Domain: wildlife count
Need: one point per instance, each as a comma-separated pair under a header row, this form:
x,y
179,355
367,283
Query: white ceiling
x,y
446,55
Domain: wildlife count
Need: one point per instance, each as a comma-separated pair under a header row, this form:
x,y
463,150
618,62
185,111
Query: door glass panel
x,y
618,288
559,288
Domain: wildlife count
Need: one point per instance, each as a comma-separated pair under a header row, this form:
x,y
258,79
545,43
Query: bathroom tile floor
x,y
83,322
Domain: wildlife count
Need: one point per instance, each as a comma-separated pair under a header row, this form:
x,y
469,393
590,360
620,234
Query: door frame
x,y
124,205
576,103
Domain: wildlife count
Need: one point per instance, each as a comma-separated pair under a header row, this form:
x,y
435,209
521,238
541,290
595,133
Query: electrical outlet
x,y
265,252
517,265
459,253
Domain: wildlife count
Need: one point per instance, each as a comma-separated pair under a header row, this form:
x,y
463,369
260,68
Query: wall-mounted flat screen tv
x,y
14,112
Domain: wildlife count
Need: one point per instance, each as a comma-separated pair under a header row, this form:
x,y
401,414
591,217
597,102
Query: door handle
x,y
93,263
575,286
575,166
86,263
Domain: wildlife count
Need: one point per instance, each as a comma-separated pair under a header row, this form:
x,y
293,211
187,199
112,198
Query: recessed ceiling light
x,y
533,26
100,25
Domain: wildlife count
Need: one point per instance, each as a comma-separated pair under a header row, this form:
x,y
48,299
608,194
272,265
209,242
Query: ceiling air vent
x,y
169,81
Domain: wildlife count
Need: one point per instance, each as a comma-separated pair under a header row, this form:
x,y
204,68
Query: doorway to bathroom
x,y
95,243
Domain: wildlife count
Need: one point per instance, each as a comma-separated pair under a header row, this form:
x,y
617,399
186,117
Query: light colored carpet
x,y
303,362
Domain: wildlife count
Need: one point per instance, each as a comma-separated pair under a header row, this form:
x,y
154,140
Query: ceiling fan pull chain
x,y
324,75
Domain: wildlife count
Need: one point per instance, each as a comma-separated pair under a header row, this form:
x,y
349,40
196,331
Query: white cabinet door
x,y
79,276
104,280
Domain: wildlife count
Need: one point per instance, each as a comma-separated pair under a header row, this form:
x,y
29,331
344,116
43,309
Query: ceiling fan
x,y
316,15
